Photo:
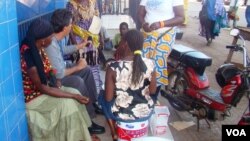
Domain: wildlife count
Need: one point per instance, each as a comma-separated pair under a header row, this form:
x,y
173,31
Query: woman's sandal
x,y
95,138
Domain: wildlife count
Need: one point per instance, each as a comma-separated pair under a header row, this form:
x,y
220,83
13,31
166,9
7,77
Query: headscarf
x,y
38,29
210,4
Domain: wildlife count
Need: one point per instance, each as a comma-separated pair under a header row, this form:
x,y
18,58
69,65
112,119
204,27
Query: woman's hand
x,y
146,27
155,26
81,99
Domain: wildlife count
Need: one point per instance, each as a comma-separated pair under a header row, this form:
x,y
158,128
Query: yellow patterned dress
x,y
158,47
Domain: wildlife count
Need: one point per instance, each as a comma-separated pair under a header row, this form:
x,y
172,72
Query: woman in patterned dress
x,y
158,18
128,85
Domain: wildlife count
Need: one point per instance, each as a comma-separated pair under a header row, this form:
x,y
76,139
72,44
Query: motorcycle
x,y
189,89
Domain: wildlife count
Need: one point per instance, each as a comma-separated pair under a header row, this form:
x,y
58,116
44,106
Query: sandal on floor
x,y
95,138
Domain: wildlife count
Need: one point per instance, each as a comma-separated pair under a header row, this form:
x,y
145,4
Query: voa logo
x,y
236,132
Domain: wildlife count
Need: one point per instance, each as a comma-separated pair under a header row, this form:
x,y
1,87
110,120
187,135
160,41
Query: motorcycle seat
x,y
191,58
179,50
196,59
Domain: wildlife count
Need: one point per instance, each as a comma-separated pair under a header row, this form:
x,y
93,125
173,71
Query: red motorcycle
x,y
189,89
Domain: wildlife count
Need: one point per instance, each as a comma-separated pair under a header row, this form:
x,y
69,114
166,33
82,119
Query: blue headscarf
x,y
210,4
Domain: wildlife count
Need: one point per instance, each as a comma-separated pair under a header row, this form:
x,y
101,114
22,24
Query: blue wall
x,y
13,123
33,8
12,113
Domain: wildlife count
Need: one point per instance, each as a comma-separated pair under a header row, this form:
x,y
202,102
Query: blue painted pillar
x,y
13,121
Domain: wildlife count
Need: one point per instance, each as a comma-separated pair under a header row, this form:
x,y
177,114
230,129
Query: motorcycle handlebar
x,y
242,48
231,47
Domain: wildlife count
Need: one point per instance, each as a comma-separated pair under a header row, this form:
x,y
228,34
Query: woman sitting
x,y
128,85
54,112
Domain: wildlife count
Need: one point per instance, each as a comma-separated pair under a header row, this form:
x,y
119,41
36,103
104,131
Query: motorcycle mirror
x,y
234,32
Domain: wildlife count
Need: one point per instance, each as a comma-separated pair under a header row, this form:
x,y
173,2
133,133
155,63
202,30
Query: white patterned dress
x,y
132,102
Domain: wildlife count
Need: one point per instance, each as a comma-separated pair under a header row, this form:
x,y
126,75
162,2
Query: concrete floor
x,y
218,52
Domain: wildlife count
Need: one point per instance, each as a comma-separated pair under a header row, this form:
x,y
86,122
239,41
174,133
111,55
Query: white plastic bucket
x,y
128,131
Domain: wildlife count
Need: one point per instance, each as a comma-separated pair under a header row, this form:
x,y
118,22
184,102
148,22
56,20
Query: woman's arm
x,y
55,92
141,15
152,86
109,84
177,20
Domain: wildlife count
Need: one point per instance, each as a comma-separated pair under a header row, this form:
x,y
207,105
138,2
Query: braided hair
x,y
135,40
38,29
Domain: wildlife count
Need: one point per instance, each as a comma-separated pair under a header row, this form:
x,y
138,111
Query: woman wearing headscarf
x,y
212,18
54,112
158,19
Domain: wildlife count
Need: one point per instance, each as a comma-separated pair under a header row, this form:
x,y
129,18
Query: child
x,y
119,42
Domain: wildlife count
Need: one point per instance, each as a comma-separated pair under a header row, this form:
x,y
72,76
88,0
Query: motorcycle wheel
x,y
176,87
